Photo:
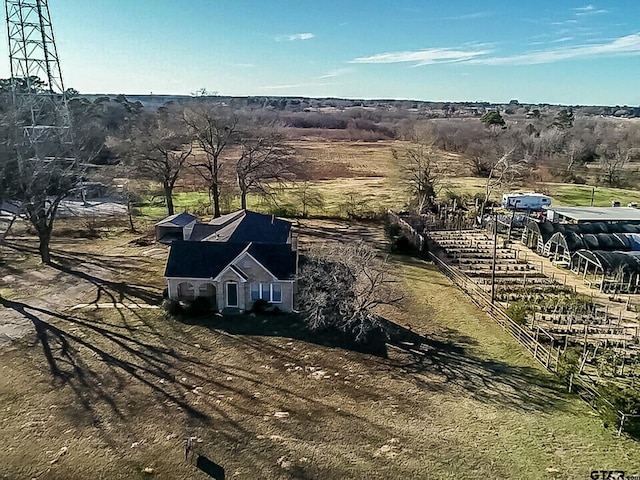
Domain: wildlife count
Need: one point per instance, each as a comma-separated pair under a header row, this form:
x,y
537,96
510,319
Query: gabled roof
x,y
245,226
209,259
280,260
177,220
200,259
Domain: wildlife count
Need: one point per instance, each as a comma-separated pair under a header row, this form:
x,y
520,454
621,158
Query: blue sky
x,y
442,50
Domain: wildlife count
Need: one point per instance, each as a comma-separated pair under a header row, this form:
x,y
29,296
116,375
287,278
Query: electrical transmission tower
x,y
44,170
37,86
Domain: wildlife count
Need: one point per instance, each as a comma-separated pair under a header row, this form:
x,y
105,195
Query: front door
x,y
232,294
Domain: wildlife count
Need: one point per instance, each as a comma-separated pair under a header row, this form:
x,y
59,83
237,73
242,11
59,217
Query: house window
x,y
255,292
270,292
276,293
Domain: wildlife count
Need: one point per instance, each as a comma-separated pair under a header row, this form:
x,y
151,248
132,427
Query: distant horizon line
x,y
353,99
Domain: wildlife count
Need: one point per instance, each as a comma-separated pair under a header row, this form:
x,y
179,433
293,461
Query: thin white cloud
x,y
242,65
589,10
294,36
336,73
565,22
627,45
469,16
423,57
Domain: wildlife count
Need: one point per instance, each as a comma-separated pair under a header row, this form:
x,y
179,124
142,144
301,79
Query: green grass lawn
x,y
563,194
580,195
364,194
154,207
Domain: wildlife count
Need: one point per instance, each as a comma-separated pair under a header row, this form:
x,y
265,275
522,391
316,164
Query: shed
x,y
175,227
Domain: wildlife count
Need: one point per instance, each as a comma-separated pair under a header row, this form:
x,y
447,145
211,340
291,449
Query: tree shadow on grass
x,y
288,326
67,261
435,364
66,354
491,381
102,365
115,292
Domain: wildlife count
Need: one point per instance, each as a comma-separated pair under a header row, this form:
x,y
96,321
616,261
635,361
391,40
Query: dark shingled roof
x,y
246,226
200,259
201,231
177,220
208,259
278,259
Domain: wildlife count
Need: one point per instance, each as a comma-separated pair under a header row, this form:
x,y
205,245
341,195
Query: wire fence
x,y
586,388
546,355
539,343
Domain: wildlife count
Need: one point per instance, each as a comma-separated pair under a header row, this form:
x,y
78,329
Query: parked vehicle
x,y
525,201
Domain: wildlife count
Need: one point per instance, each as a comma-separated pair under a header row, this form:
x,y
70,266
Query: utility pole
x,y
495,252
513,214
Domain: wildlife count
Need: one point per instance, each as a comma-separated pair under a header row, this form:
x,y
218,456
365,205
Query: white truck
x,y
525,201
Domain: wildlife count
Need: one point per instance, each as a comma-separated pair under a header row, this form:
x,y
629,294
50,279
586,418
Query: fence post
x,y
570,382
621,424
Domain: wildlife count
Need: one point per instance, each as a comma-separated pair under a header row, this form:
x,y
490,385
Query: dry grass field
x,y
366,175
113,392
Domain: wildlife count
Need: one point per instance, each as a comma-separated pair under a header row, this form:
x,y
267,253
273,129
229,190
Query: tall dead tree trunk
x,y
168,197
214,129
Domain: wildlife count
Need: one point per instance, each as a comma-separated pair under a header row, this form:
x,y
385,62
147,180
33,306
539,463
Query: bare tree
x,y
265,158
308,197
344,286
479,158
503,173
421,171
214,129
39,172
612,161
159,147
37,187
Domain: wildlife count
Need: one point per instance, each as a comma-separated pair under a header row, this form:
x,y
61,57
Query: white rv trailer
x,y
525,201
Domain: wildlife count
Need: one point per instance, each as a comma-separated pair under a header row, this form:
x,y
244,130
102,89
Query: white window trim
x,y
261,292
